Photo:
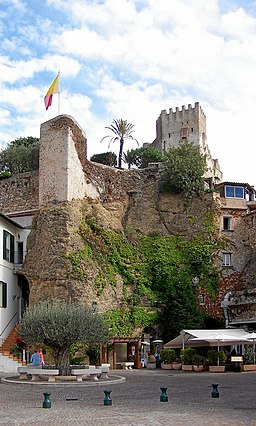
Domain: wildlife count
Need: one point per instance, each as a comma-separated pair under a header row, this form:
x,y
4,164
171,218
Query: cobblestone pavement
x,y
136,402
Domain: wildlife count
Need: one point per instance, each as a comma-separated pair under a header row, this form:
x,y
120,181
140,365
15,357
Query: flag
x,y
54,88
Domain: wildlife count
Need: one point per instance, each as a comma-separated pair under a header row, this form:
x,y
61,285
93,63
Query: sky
x,y
130,59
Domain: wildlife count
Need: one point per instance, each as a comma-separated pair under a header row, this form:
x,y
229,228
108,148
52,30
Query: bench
x,y
22,372
36,372
127,365
91,372
105,370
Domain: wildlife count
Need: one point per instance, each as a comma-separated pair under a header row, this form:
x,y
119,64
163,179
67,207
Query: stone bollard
x,y
215,392
47,402
107,399
164,396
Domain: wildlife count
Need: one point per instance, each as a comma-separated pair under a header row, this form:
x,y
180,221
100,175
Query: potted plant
x,y
176,364
167,356
248,359
216,360
188,355
198,362
151,362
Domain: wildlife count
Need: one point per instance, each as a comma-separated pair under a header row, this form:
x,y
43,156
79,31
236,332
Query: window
x,y
184,133
201,298
3,294
8,246
226,223
226,260
234,192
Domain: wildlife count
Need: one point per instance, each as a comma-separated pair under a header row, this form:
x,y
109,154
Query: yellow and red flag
x,y
54,88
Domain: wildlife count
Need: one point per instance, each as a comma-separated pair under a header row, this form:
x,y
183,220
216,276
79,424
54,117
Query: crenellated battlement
x,y
184,113
189,123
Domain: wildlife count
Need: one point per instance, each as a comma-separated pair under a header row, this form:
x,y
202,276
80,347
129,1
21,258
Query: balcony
x,y
19,257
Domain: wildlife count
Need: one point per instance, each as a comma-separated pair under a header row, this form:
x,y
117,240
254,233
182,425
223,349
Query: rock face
x,y
71,189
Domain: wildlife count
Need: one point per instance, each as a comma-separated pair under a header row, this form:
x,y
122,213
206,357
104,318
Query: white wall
x,y
7,275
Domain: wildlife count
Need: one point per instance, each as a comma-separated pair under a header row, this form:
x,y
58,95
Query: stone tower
x,y
186,124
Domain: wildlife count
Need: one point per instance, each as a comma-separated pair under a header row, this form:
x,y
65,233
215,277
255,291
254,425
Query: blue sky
x,y
131,59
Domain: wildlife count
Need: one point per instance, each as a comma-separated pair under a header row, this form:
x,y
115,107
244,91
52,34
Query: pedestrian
x,y
41,355
35,359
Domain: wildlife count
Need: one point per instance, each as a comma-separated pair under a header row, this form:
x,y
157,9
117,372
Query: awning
x,y
196,338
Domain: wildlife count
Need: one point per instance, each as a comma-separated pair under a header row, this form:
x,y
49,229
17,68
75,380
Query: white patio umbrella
x,y
223,338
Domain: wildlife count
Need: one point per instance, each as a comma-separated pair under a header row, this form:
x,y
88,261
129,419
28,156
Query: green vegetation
x,y
121,131
60,325
184,170
188,356
21,155
159,271
167,355
213,355
107,158
140,157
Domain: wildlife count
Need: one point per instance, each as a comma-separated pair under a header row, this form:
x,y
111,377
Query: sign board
x,y
236,359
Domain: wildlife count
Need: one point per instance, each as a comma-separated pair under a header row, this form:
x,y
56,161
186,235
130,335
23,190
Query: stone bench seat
x,y
127,365
104,370
22,372
37,372
86,372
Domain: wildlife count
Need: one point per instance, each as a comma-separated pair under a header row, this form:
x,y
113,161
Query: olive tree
x,y
59,324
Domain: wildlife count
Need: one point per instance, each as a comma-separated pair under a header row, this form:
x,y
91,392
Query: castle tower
x,y
186,124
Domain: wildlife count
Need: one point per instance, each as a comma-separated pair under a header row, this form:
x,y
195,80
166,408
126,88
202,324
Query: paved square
x,y
137,401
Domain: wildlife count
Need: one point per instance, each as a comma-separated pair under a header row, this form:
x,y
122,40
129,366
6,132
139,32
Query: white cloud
x,y
131,59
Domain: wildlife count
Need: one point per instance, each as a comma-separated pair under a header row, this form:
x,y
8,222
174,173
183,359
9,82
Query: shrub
x,y
213,355
167,355
188,355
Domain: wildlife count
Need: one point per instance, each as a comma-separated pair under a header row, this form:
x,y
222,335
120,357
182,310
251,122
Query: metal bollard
x,y
107,399
164,396
215,392
47,402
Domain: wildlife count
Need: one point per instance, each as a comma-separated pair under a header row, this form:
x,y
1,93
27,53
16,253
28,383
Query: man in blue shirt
x,y
35,359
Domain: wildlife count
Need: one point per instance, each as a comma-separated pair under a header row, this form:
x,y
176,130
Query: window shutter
x,y
11,248
4,245
3,294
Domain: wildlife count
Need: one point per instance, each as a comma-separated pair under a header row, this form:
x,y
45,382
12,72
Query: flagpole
x,y
59,96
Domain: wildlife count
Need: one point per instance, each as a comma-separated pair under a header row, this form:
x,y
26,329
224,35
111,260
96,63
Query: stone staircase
x,y
8,362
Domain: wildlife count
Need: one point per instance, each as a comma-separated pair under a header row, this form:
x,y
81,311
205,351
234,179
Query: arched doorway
x,y
23,301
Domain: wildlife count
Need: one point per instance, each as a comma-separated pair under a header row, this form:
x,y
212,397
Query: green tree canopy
x,y
107,158
140,157
59,325
21,155
184,170
121,130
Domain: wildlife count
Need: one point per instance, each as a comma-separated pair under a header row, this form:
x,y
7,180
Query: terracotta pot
x,y
248,367
198,368
176,366
187,367
166,366
217,368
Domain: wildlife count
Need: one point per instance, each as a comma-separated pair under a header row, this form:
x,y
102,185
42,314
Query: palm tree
x,y
122,130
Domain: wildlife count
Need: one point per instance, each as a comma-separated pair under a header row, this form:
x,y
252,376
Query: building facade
x,y
189,124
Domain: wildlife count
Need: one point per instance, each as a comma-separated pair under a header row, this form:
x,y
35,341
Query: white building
x,y
13,239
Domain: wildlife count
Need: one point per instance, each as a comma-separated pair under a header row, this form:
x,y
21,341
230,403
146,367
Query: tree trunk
x,y
120,153
61,358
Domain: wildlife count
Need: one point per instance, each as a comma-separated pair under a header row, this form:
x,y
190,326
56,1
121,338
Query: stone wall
x,y
19,193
